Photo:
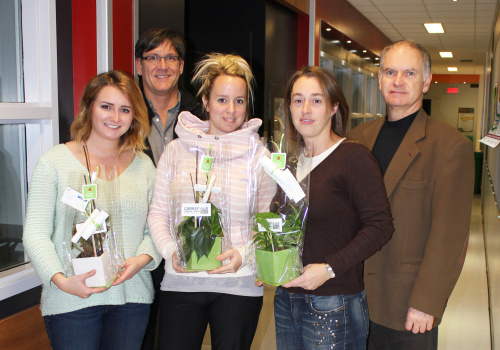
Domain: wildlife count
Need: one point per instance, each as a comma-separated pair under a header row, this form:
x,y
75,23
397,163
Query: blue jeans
x,y
306,321
99,327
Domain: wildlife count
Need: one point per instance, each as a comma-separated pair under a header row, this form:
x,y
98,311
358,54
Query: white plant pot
x,y
101,264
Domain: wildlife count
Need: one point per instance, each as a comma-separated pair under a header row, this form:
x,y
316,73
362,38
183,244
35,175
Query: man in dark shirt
x,y
159,62
428,173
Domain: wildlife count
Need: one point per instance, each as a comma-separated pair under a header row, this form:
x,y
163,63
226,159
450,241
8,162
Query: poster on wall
x,y
465,119
492,139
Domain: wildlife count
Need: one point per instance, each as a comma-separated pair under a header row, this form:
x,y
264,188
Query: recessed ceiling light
x,y
452,69
376,58
353,51
348,41
335,41
364,51
434,27
446,54
328,29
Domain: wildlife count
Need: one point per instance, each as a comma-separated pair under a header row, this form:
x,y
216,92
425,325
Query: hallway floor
x,y
465,324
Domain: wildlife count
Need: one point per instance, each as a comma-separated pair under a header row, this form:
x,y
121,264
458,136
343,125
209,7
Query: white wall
x,y
444,106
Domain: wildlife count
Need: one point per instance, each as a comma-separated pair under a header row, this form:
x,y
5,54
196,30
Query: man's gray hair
x,y
426,57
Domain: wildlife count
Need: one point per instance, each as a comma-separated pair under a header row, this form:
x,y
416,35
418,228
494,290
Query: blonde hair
x,y
134,138
216,64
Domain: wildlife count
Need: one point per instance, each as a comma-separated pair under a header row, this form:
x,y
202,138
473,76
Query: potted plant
x,y
92,242
278,243
201,238
199,234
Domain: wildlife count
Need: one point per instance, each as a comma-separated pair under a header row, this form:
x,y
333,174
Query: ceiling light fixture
x,y
328,29
452,69
433,28
348,41
446,54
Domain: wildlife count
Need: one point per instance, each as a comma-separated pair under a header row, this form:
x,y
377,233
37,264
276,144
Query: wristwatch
x,y
330,271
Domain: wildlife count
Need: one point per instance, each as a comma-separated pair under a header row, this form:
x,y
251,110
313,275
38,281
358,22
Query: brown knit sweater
x,y
349,217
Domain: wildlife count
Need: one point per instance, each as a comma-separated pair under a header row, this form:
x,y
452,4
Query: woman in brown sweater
x,y
349,220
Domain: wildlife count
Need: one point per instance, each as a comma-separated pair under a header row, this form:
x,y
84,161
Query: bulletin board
x,y
465,119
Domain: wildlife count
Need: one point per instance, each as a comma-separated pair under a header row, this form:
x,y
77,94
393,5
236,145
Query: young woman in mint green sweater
x,y
109,130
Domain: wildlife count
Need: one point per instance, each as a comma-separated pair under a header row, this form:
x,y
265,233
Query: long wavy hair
x,y
134,138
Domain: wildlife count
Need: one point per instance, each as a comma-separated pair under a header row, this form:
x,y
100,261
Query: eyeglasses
x,y
157,59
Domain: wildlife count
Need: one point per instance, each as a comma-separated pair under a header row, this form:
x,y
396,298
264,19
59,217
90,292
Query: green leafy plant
x,y
200,238
290,235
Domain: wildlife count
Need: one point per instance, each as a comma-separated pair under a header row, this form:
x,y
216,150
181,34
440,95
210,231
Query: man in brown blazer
x,y
428,171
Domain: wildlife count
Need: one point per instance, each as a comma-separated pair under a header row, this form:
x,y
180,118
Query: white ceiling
x,y
468,25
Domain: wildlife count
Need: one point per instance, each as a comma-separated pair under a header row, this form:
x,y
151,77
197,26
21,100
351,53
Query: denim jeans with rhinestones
x,y
306,321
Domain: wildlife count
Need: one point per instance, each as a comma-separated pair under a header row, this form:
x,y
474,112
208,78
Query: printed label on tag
x,y
279,159
196,209
206,163
89,192
274,225
101,229
74,199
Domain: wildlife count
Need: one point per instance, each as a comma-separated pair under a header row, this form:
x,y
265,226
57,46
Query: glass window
x,y
27,128
13,198
11,67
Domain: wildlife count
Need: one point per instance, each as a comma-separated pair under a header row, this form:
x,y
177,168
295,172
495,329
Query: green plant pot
x,y
277,268
206,263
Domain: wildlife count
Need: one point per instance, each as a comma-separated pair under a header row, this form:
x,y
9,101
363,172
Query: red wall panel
x,y
123,35
302,40
84,46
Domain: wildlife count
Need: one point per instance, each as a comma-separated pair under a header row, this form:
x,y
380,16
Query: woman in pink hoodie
x,y
226,297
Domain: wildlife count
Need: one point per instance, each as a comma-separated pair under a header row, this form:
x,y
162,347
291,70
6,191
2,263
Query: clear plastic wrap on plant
x,y
211,198
279,234
93,239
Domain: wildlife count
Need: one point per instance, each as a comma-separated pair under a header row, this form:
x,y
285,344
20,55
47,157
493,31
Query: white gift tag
x,y
274,225
74,199
196,209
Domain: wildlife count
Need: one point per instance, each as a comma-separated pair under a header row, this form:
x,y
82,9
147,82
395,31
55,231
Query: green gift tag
x,y
279,159
206,163
89,192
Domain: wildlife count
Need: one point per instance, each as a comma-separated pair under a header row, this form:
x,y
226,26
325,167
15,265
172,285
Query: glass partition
x,y
11,64
13,198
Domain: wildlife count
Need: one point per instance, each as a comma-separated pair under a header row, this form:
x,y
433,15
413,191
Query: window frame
x,y
39,112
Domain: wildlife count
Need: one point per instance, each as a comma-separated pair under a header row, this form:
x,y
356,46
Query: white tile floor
x,y
465,325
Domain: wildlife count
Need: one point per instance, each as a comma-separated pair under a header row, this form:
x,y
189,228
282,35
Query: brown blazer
x,y
429,184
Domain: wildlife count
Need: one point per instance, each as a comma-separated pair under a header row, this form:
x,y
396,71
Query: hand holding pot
x,y
175,264
131,267
234,264
75,285
314,276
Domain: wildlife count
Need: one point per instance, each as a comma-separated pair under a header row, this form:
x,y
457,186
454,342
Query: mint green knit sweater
x,y
49,221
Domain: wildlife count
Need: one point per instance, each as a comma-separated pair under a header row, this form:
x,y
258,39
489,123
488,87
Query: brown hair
x,y
134,138
333,96
216,64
